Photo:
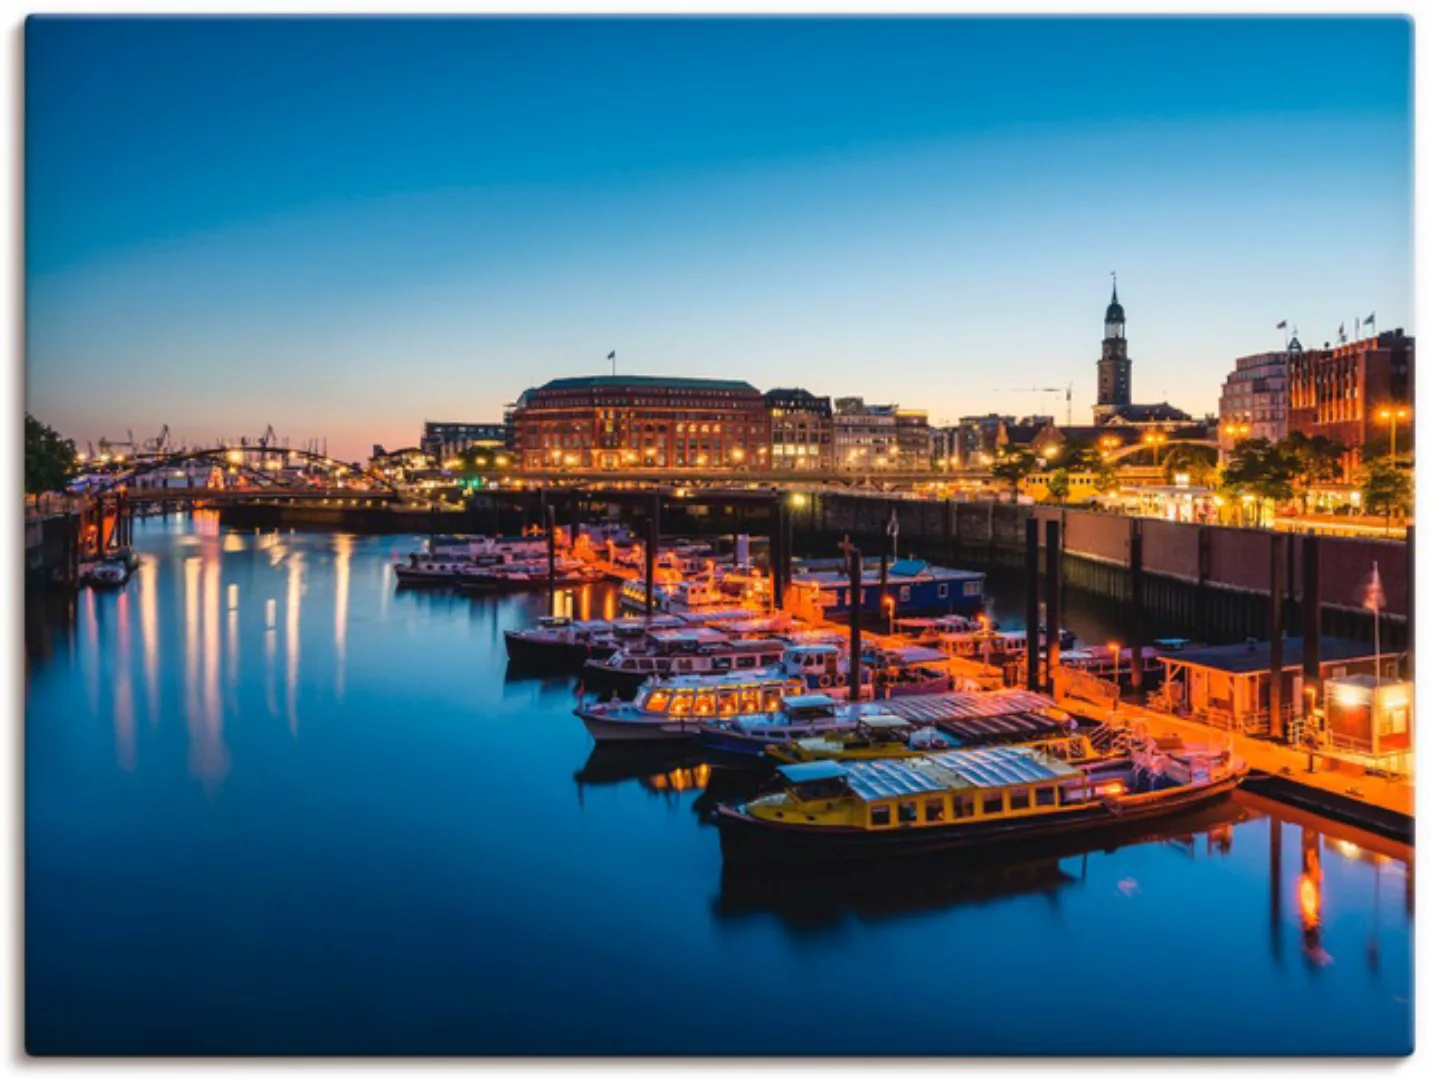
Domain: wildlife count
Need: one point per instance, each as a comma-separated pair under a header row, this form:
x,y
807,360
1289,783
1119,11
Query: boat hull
x,y
606,729
744,839
556,654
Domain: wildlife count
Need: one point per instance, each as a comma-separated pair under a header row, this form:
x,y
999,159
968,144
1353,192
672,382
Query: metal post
x,y
1053,562
1135,627
856,589
777,553
551,548
1311,621
1410,672
1277,729
1033,653
653,542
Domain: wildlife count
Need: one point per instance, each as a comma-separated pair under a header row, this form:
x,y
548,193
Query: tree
x,y
1012,467
49,458
1385,490
1058,485
1259,469
1313,461
1199,462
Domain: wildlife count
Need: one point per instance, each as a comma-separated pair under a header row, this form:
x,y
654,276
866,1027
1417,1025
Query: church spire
x,y
1115,285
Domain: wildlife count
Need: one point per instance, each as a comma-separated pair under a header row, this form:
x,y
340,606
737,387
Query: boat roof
x,y
821,647
961,705
703,635
812,770
758,677
810,701
915,654
884,721
949,770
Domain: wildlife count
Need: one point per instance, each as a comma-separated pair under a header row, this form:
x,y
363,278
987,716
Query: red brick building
x,y
1340,392
632,421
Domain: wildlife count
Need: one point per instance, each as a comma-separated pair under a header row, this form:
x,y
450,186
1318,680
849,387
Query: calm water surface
x,y
274,805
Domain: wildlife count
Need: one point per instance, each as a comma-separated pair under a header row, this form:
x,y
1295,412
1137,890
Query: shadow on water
x,y
809,898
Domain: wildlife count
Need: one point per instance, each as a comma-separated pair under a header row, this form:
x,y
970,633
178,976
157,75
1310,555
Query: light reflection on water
x,y
406,847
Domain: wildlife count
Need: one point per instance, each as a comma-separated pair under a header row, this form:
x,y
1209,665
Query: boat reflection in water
x,y
810,898
662,769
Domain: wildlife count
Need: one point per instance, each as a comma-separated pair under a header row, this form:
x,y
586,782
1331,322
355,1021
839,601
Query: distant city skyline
x,y
346,227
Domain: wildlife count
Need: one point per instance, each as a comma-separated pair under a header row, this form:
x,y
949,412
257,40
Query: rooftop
x,y
654,382
1244,659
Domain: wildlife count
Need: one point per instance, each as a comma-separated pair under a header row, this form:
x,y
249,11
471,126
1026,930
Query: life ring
x,y
824,682
840,679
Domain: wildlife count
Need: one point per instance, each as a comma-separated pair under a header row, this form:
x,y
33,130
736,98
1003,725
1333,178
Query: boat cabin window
x,y
934,810
771,700
728,701
908,812
1019,799
1044,796
745,661
943,591
904,594
993,802
681,703
829,788
705,703
879,815
963,806
750,699
658,700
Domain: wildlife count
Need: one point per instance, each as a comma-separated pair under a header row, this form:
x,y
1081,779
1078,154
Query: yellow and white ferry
x,y
964,799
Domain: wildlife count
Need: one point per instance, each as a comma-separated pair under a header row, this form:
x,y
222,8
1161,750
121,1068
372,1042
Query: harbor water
x,y
275,805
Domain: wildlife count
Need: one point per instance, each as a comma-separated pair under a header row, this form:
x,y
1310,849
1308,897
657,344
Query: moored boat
x,y
802,717
694,650
968,799
558,641
674,708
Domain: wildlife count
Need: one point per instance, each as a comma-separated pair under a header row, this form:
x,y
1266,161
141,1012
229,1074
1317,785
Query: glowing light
x,y
798,499
1309,899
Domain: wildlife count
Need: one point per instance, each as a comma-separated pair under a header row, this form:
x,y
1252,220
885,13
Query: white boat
x,y
674,708
695,650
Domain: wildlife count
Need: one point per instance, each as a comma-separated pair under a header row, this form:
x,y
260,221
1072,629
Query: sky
x,y
346,227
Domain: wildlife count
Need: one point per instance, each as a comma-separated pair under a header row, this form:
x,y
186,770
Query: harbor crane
x,y
1066,391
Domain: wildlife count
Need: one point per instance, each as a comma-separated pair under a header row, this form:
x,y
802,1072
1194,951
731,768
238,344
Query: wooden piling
x,y
1135,621
1274,636
1031,675
1053,562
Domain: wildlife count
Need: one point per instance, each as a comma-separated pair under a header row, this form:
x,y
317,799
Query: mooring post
x,y
1135,625
777,556
551,549
1053,561
856,597
1410,672
1031,679
653,542
1275,614
1311,626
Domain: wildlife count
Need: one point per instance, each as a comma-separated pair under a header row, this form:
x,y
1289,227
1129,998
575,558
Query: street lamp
x,y
1391,416
1155,439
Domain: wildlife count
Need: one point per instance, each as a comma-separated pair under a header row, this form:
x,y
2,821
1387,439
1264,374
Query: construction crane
x,y
1066,391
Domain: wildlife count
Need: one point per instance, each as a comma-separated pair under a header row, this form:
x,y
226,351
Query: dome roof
x,y
1115,309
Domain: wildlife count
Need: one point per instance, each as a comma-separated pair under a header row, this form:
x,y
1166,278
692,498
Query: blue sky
x,y
345,227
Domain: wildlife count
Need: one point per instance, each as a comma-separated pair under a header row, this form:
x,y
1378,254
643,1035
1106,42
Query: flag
x,y
1370,320
1342,333
611,355
1374,598
1282,325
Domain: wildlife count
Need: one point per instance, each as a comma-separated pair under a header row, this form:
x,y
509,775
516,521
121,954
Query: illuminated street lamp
x,y
1391,416
1155,439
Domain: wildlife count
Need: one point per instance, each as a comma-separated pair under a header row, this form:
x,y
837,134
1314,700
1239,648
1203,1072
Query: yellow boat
x,y
964,799
879,737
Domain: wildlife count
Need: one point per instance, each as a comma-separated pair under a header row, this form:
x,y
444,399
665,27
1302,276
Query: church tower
x,y
1115,370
